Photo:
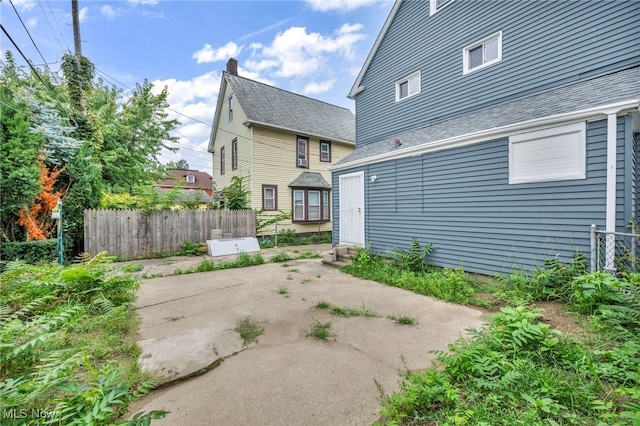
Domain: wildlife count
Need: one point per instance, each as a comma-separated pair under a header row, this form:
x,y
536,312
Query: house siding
x,y
275,164
225,133
546,44
461,201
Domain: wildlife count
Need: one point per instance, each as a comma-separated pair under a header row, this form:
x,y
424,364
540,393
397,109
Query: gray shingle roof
x,y
279,108
611,88
310,180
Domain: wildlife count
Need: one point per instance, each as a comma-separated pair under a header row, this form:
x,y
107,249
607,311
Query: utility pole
x,y
76,28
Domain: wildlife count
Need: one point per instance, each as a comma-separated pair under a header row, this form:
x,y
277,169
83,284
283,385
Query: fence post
x,y
593,248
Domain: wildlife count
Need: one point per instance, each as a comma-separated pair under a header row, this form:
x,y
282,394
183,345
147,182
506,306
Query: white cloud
x,y
83,14
295,52
144,2
208,54
339,5
32,22
24,5
316,88
109,12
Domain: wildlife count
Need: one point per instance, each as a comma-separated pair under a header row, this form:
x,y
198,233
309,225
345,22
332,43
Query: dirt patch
x,y
556,315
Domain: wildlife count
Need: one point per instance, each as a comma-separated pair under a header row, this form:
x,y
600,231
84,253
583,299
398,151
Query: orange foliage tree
x,y
36,218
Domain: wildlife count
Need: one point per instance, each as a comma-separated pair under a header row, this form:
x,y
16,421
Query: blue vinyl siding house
x,y
498,131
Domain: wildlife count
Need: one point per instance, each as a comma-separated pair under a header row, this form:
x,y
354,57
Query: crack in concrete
x,y
190,295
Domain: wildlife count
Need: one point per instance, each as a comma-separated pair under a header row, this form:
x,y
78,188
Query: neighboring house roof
x,y
277,108
310,180
199,195
594,93
357,88
202,180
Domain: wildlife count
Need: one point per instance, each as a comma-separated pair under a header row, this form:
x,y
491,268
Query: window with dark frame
x,y
269,197
222,160
234,154
231,108
310,205
325,151
302,152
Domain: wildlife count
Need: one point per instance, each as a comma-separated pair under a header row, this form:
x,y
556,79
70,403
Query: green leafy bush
x,y
33,252
189,248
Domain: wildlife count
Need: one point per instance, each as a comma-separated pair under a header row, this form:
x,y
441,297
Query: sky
x,y
312,47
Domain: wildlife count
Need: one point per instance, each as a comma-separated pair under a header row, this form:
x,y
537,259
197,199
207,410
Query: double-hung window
x,y
302,152
269,197
234,154
311,205
325,151
191,179
408,86
482,53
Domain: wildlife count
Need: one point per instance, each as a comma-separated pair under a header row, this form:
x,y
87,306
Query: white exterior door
x,y
352,209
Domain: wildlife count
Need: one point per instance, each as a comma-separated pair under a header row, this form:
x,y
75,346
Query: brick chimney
x,y
232,66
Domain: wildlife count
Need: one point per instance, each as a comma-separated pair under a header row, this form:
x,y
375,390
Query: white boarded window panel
x,y
547,155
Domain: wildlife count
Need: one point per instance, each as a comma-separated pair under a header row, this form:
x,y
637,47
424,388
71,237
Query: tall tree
x,y
177,165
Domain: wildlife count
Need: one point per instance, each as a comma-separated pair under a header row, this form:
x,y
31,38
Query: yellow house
x,y
281,144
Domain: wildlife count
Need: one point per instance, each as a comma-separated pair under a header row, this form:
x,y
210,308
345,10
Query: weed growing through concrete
x,y
285,265
323,305
403,320
168,262
343,311
321,330
249,330
280,257
134,267
308,254
306,280
283,290
318,276
293,270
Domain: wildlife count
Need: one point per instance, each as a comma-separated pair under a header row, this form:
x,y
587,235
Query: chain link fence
x,y
614,251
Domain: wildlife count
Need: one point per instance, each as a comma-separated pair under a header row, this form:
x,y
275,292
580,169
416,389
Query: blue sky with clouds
x,y
311,47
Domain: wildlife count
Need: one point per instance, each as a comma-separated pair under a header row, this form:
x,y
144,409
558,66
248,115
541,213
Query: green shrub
x,y
32,252
414,259
189,248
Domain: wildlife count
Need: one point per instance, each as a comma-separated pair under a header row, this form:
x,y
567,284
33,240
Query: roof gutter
x,y
250,123
601,111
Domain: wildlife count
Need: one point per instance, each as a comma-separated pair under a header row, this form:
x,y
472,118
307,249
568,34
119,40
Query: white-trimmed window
x,y
311,205
482,53
269,197
191,179
554,154
231,108
325,151
302,152
436,5
408,86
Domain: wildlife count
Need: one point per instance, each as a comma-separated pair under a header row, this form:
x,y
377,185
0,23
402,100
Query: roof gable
x,y
357,88
202,179
273,107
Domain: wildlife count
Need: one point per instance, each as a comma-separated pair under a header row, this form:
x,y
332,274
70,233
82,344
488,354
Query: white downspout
x,y
611,192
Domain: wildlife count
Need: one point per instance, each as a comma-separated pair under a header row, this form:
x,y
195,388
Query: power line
x,y
31,38
49,25
56,21
34,69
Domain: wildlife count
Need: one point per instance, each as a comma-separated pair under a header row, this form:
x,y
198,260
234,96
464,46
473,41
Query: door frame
x,y
359,174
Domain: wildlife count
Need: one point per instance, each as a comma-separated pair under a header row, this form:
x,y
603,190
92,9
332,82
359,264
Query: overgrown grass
x,y
518,370
68,344
206,265
452,285
403,320
133,267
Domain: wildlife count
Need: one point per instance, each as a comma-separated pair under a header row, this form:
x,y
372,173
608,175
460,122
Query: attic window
x,y
482,53
231,108
437,5
191,179
408,86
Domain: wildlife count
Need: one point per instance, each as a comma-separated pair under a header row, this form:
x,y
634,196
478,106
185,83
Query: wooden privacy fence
x,y
134,234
